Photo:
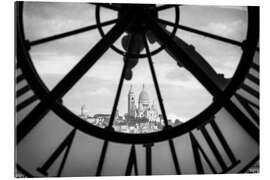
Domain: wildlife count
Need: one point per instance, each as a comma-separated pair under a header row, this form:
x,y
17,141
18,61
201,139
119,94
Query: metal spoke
x,y
189,58
120,85
70,79
206,34
107,6
155,80
70,33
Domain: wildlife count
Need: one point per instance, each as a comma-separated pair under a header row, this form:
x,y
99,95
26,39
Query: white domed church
x,y
144,109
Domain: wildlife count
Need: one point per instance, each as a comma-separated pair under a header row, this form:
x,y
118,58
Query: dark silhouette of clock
x,y
53,141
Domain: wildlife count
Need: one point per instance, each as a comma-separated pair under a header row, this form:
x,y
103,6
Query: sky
x,y
183,96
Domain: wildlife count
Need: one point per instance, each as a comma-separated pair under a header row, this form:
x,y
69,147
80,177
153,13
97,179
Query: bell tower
x,y
131,102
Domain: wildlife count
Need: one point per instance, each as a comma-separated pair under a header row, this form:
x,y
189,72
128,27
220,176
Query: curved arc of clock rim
x,y
249,48
36,82
41,90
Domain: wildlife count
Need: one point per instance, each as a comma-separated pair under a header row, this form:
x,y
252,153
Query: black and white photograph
x,y
136,89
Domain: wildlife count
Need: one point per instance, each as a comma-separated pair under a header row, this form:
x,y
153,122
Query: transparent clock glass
x,y
141,106
113,89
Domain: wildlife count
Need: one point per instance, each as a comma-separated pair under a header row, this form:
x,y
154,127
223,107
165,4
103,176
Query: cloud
x,y
47,19
179,74
184,97
43,19
54,64
221,56
108,67
100,92
171,74
98,95
221,20
233,29
65,53
76,45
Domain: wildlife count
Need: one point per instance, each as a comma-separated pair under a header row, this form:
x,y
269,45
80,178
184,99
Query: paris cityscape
x,y
142,115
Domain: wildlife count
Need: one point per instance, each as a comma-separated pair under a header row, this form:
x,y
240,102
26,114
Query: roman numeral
x,y
246,103
256,67
199,152
250,90
26,102
148,158
132,161
19,78
64,146
241,102
20,92
174,157
102,158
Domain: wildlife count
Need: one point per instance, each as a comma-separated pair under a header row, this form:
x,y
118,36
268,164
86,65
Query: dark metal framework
x,y
51,100
153,52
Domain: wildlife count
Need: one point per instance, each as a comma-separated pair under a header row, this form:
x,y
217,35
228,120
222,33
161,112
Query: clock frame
x,y
222,93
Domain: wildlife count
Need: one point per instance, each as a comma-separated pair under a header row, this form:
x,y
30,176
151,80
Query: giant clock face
x,y
223,137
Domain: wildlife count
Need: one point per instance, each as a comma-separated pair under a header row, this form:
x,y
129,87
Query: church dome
x,y
140,108
144,97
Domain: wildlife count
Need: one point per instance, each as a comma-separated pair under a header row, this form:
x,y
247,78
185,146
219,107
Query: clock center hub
x,y
140,12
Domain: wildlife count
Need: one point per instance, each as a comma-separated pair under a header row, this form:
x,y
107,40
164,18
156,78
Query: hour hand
x,y
152,39
133,44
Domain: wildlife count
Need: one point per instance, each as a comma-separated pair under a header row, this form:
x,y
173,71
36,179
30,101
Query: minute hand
x,y
189,53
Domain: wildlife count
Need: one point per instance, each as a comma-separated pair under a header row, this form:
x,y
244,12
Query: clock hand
x,y
194,56
133,44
